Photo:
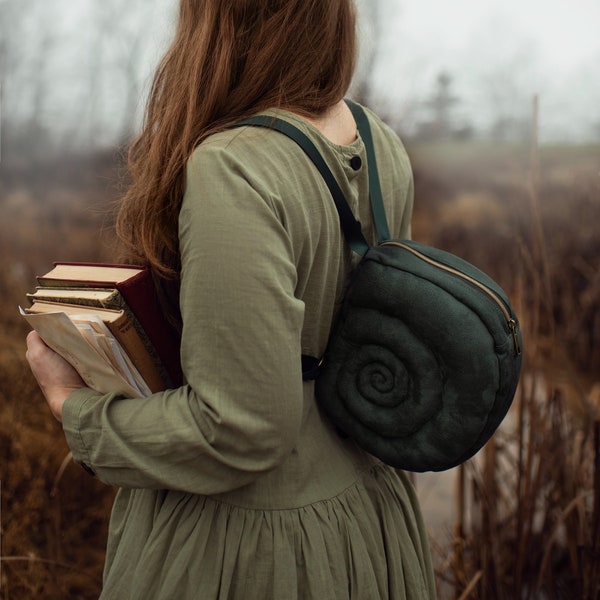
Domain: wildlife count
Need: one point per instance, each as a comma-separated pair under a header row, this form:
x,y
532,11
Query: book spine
x,y
73,300
116,302
126,334
139,293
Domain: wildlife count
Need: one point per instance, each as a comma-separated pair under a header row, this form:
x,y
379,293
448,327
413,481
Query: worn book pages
x,y
92,350
121,328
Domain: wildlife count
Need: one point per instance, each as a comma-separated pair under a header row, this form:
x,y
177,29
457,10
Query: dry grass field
x,y
529,507
54,516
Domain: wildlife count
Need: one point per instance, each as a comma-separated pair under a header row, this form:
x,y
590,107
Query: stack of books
x,y
106,321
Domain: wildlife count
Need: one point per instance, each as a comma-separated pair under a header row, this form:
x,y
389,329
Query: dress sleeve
x,y
239,414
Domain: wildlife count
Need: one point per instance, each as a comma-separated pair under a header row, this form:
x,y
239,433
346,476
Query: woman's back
x,y
325,520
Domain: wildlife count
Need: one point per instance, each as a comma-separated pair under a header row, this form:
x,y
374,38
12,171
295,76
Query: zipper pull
x,y
512,325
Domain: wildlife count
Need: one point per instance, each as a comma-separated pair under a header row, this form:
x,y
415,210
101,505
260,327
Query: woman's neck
x,y
337,124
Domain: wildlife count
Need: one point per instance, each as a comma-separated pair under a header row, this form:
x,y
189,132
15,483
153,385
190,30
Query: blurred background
x,y
498,104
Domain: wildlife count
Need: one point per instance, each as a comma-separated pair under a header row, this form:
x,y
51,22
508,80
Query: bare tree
x,y
116,65
370,31
376,22
23,73
504,79
76,80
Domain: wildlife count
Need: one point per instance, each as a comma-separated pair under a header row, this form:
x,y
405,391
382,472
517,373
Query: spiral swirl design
x,y
415,391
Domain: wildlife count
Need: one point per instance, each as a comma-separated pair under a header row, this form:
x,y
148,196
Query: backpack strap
x,y
350,226
376,197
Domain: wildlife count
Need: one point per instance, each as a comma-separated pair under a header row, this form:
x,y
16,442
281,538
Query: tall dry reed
x,y
529,505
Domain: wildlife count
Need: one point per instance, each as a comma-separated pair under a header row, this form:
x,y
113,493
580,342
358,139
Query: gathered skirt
x,y
366,543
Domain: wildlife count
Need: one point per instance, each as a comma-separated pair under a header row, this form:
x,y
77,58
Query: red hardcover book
x,y
136,292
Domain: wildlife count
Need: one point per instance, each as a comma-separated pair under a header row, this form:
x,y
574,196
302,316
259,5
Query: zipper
x,y
512,323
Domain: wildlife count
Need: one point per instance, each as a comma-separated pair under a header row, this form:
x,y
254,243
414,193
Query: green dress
x,y
235,486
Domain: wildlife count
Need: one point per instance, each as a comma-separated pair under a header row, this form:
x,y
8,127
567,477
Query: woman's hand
x,y
55,376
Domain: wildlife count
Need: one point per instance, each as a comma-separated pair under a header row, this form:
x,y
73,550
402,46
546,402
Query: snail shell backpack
x,y
424,359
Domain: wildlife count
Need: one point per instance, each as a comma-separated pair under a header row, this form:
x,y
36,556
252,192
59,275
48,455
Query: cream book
x,y
121,329
89,346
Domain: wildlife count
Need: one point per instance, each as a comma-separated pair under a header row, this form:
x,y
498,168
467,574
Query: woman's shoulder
x,y
257,153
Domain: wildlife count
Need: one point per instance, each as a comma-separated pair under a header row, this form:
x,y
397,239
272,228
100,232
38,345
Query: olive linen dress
x,y
235,486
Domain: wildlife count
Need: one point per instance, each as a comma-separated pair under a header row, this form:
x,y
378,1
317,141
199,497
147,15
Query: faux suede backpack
x,y
425,356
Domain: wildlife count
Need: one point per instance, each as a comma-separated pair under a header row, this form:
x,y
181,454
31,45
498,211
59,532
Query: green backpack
x,y
425,356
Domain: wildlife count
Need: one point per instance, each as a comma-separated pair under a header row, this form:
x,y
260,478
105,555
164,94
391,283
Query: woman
x,y
234,485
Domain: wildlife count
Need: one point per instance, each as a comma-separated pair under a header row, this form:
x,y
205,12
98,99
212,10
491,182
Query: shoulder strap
x,y
377,208
350,226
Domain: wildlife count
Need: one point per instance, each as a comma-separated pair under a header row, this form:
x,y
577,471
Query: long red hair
x,y
229,59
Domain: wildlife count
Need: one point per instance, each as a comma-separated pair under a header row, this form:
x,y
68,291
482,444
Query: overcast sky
x,y
499,53
549,47
567,32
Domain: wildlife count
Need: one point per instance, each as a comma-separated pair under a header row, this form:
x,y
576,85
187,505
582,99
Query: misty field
x,y
528,508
